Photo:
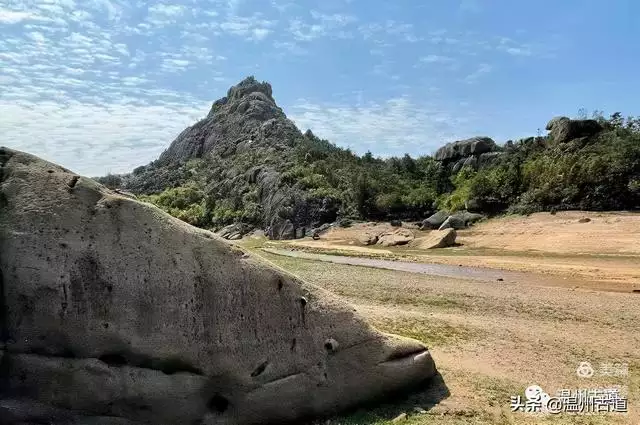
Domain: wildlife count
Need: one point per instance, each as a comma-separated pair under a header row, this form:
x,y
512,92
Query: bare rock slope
x,y
113,312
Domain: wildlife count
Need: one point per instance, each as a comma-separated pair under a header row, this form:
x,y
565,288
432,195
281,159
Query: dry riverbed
x,y
492,339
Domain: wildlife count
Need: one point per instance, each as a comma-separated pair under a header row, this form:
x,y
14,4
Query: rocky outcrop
x,y
395,237
234,231
563,129
461,220
476,162
475,153
474,146
247,113
434,221
368,239
114,311
469,217
436,239
453,222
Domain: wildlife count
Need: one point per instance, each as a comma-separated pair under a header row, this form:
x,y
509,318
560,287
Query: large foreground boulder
x,y
114,312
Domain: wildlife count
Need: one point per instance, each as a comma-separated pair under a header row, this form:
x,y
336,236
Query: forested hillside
x,y
247,163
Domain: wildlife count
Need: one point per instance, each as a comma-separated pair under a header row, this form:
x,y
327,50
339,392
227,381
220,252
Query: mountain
x,y
237,157
246,164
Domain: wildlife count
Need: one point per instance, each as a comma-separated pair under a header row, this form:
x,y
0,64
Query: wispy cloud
x,y
104,85
13,16
436,59
396,126
95,139
482,70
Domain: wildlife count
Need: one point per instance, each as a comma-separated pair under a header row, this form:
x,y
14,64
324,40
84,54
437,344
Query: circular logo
x,y
585,370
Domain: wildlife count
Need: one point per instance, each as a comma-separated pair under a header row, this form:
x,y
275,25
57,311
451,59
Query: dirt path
x,y
490,339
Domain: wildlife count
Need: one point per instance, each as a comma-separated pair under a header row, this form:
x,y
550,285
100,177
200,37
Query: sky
x,y
103,86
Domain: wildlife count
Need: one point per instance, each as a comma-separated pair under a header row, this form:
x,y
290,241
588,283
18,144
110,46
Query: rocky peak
x,y
247,86
246,113
243,94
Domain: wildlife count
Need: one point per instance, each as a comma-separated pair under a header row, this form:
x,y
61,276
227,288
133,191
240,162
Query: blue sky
x,y
105,85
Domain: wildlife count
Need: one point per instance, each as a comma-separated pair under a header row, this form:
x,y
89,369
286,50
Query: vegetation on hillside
x,y
535,174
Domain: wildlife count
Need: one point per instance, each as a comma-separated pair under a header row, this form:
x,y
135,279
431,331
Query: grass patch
x,y
432,332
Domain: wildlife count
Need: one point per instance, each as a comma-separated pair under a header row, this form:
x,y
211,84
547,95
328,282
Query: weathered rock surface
x,y
563,129
436,239
281,229
435,221
396,237
465,148
453,222
476,162
469,217
234,231
113,311
460,220
368,239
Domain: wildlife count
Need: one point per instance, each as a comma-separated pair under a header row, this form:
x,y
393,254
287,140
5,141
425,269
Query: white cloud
x,y
13,17
393,127
95,139
252,28
481,70
436,59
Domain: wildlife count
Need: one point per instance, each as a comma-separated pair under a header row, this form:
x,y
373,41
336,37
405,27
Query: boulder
x,y
469,217
461,220
563,129
281,229
436,239
396,223
114,311
435,221
345,223
453,222
396,237
368,239
233,231
465,148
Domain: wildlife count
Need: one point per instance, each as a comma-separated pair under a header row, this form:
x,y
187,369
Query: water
x,y
445,270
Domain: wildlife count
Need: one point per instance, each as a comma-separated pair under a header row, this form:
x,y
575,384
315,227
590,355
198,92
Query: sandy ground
x,y
605,250
490,339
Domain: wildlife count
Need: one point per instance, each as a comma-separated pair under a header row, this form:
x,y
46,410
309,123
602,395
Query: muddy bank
x,y
452,271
